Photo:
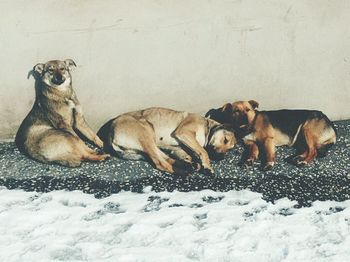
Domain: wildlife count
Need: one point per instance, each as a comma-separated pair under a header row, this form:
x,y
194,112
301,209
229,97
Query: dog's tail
x,y
322,151
329,122
106,135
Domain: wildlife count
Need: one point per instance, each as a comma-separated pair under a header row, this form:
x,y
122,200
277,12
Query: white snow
x,y
177,226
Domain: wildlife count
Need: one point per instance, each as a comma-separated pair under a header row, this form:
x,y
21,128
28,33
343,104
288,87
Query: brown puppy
x,y
48,133
310,131
154,131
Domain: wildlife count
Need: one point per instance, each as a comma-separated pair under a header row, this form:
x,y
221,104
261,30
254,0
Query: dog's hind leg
x,y
311,146
159,158
128,154
91,155
62,148
319,136
57,147
326,139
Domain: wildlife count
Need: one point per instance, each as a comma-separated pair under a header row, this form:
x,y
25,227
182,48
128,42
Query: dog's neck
x,y
48,94
211,124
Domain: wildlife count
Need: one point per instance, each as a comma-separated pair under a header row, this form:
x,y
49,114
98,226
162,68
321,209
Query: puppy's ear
x,y
70,63
253,103
227,108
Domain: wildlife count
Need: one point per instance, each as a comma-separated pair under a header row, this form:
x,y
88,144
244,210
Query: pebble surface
x,y
326,178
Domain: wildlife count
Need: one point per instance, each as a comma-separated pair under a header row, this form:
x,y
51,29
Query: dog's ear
x,y
39,68
253,103
227,108
210,113
70,63
36,71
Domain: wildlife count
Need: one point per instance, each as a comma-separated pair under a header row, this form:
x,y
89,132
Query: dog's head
x,y
220,140
54,73
242,113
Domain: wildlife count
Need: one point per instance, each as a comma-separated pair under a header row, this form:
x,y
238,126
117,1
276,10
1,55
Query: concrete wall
x,y
182,54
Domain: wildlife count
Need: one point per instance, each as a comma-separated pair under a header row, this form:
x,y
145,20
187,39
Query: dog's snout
x,y
58,79
243,118
214,154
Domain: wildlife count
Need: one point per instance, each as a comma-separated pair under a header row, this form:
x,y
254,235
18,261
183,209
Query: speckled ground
x,y
325,179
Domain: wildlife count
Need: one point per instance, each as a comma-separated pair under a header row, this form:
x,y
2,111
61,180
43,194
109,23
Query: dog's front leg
x,y
270,153
188,139
180,154
177,152
58,121
81,125
253,152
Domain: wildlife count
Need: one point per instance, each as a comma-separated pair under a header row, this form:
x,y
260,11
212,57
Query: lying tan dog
x,y
48,133
310,131
150,132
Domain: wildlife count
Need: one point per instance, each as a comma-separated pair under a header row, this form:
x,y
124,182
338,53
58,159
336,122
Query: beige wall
x,y
183,54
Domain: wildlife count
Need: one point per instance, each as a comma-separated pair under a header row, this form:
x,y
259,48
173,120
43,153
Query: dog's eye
x,y
247,110
62,68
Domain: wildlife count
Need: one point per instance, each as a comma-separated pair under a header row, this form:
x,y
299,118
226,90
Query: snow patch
x,y
169,226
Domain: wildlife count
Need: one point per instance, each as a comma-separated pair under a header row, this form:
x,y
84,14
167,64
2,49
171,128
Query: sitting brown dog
x,y
50,131
309,130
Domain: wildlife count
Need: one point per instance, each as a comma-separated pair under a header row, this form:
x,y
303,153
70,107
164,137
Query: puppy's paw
x,y
268,166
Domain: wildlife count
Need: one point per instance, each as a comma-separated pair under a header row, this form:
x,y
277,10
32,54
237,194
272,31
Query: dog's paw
x,y
183,168
297,159
105,157
207,171
196,167
301,163
98,142
268,166
249,162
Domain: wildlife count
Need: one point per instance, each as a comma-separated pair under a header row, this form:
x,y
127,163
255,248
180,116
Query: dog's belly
x,y
163,136
281,139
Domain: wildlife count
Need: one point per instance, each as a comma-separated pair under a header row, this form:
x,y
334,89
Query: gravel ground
x,y
325,179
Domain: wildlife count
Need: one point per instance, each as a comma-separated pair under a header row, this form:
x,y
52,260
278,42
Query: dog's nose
x,y
58,79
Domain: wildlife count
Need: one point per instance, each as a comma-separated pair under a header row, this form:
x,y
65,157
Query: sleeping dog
x,y
310,131
151,132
